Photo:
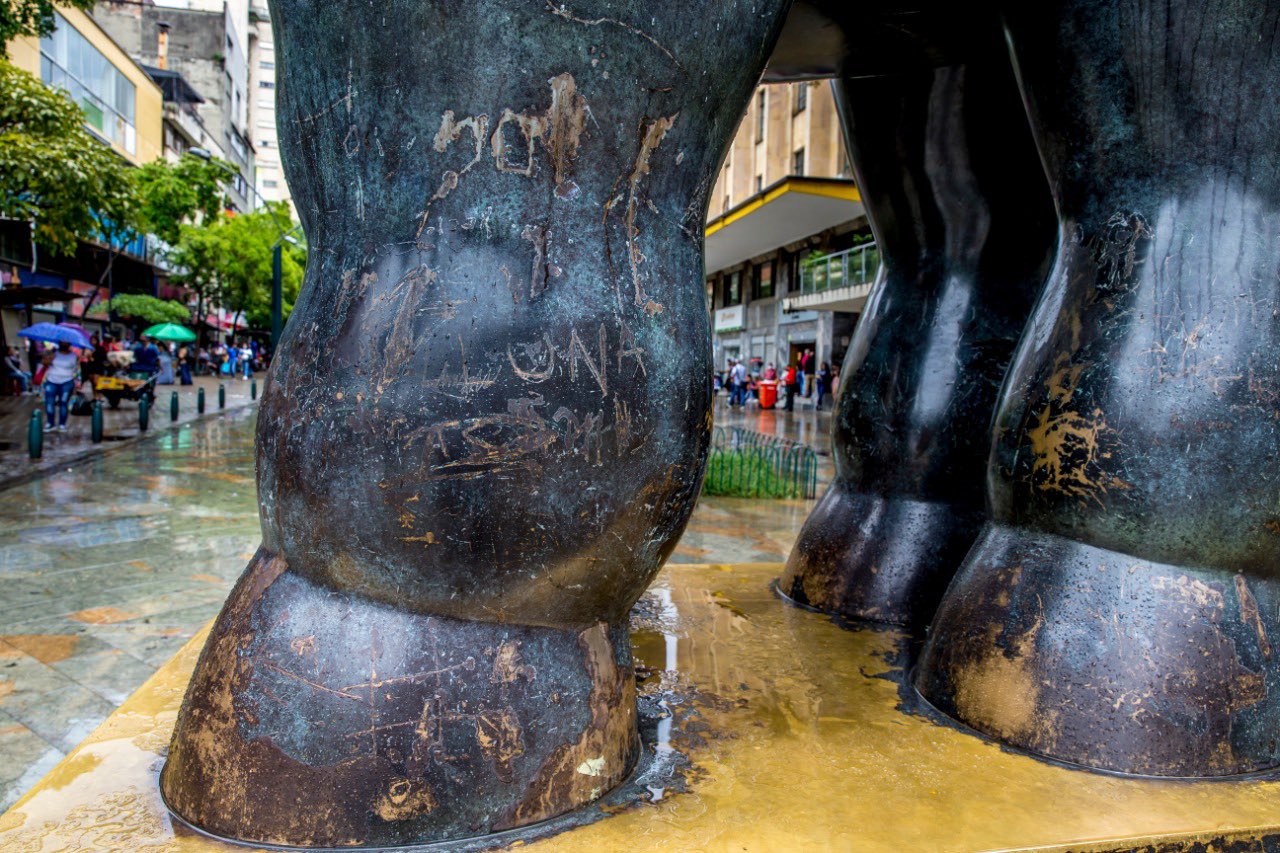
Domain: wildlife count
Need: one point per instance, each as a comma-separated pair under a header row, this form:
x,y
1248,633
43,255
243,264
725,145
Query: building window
x,y
762,281
70,62
271,184
761,103
797,162
266,84
759,183
726,202
267,66
732,289
801,100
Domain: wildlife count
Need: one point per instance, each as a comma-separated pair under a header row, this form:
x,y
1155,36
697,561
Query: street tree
x,y
146,310
54,173
228,262
30,18
171,195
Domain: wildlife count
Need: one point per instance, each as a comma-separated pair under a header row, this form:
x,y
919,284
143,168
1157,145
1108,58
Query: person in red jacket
x,y
791,379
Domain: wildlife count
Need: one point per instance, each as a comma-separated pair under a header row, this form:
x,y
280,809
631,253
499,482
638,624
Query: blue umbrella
x,y
50,333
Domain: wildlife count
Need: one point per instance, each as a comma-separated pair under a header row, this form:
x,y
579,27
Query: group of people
x,y
59,371
798,379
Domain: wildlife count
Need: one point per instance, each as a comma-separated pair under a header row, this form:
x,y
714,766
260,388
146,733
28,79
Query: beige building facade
x,y
789,252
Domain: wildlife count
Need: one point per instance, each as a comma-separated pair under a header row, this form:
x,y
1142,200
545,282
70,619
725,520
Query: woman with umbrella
x,y
172,333
62,369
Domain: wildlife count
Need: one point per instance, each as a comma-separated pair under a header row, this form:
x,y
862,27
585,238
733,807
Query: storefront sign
x,y
730,319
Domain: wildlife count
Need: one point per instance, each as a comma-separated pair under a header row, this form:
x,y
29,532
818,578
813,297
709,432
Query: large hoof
x,y
964,222
322,719
1119,612
486,423
1109,661
873,558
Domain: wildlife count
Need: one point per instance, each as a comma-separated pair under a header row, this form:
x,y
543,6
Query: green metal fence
x,y
748,464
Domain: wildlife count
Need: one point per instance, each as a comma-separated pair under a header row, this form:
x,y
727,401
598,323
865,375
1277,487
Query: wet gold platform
x,y
797,744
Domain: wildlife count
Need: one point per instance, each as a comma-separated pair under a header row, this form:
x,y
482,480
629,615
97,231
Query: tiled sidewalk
x,y
107,568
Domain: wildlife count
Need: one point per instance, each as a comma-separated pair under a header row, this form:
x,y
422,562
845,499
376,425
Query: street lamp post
x,y
277,252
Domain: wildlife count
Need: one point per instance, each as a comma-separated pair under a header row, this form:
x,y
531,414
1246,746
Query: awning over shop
x,y
789,210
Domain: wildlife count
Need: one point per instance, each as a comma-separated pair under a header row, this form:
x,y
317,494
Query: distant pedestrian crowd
x,y
763,386
66,376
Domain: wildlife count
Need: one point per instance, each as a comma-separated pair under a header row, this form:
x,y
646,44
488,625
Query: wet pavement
x,y
119,426
108,568
766,728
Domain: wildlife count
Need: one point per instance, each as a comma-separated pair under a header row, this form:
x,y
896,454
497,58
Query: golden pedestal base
x,y
796,739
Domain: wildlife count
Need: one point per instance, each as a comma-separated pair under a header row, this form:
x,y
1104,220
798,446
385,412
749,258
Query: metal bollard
x,y
200,402
173,405
222,396
144,414
95,423
253,389
35,435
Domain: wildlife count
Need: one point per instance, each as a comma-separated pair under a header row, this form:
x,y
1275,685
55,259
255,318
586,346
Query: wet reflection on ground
x,y
108,568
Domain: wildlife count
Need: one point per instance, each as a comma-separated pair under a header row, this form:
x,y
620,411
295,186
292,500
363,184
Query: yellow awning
x,y
787,211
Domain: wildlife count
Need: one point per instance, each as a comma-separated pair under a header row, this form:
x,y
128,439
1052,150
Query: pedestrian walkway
x,y
119,425
107,568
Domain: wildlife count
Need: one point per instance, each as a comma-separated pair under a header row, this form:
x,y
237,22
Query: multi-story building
x,y
789,257
262,106
206,42
123,107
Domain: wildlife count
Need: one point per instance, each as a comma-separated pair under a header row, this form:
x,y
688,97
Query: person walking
x,y
61,371
791,379
739,374
184,364
823,383
806,372
146,357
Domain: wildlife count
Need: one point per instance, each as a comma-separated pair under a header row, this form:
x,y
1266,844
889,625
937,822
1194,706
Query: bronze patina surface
x,y
962,216
1121,609
487,421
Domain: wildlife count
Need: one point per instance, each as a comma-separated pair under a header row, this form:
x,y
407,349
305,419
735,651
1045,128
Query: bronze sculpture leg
x,y
488,419
949,175
1121,611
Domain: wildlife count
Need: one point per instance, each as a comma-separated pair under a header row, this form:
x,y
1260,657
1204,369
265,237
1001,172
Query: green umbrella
x,y
170,332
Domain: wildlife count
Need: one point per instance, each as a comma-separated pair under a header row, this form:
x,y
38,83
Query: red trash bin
x,y
768,390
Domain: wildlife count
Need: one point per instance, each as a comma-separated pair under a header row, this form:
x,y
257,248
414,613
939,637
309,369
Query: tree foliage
x,y
53,172
173,194
228,261
148,309
30,18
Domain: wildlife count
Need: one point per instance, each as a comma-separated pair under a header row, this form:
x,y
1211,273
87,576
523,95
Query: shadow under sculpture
x,y
1120,611
487,422
962,214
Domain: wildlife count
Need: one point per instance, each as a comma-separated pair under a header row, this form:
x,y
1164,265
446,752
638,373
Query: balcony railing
x,y
858,265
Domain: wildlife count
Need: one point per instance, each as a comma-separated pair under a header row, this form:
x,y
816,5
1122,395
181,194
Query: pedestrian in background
x,y
806,372
184,364
739,374
62,369
13,368
823,383
791,380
